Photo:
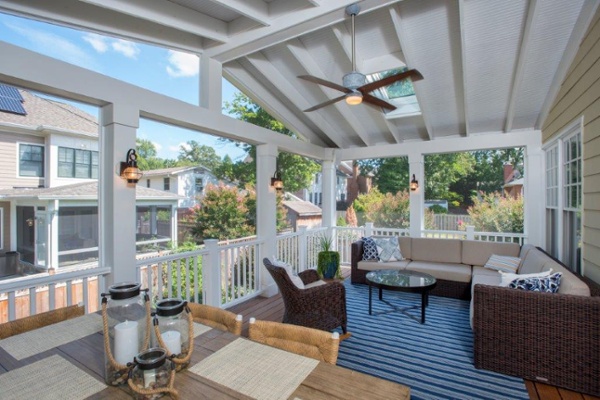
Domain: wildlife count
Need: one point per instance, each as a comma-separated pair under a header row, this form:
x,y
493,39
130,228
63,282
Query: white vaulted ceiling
x,y
489,66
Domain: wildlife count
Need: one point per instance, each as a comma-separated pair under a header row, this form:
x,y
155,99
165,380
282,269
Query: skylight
x,y
401,94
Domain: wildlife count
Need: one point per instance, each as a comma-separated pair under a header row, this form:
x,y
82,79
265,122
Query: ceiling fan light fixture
x,y
354,98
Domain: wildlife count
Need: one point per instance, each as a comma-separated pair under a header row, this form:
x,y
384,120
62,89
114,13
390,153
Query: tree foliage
x,y
194,153
296,171
441,171
496,213
147,155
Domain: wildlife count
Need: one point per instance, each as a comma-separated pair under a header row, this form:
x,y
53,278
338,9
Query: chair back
x,y
40,320
216,318
308,342
281,278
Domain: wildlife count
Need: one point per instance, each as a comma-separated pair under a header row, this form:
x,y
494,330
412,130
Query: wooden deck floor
x,y
271,309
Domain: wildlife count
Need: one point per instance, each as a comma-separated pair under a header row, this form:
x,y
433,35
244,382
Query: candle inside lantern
x,y
126,341
172,340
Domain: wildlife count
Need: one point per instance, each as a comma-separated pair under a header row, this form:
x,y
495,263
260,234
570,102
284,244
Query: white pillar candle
x,y
126,342
172,340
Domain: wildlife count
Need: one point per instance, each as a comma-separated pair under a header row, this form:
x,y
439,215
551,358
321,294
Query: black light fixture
x,y
129,168
276,181
414,184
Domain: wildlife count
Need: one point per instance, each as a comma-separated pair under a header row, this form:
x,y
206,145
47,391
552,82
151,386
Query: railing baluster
x,y
52,296
12,315
69,285
84,284
32,305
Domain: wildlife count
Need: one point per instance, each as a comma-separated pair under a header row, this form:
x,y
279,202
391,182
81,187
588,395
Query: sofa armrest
x,y
548,337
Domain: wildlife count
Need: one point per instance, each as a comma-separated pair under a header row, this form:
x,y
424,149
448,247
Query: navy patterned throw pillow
x,y
369,249
549,284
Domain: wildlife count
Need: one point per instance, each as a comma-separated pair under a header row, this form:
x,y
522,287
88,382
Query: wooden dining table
x,y
86,354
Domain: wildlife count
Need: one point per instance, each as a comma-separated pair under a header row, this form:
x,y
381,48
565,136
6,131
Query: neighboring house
x,y
302,213
314,193
188,182
48,184
513,182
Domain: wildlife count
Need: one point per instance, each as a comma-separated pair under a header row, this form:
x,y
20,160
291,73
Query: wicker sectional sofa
x,y
548,337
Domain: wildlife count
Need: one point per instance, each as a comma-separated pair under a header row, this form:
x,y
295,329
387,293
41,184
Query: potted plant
x,y
328,261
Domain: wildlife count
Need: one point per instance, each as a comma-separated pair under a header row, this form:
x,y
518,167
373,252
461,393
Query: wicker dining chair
x,y
308,342
32,322
321,307
216,318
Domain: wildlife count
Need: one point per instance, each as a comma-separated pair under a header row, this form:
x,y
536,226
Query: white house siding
x,y
580,96
72,142
9,160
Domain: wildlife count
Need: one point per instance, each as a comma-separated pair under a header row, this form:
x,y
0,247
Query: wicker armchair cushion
x,y
503,263
296,280
549,284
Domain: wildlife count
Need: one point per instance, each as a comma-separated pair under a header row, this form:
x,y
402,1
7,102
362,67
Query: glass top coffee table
x,y
403,281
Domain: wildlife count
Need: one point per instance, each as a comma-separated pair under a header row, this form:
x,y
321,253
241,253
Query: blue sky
x,y
164,71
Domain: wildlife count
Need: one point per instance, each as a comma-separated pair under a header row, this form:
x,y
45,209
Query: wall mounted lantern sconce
x,y
129,168
414,184
276,181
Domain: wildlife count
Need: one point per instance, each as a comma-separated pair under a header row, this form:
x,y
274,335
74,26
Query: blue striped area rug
x,y
434,359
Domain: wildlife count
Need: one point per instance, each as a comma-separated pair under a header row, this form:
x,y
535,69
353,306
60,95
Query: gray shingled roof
x,y
303,208
168,171
81,191
51,114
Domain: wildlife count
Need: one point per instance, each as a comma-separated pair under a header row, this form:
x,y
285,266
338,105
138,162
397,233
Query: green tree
x,y
392,175
147,155
387,210
493,212
222,214
194,153
443,170
225,170
296,171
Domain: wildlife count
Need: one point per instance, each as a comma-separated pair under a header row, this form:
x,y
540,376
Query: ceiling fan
x,y
354,84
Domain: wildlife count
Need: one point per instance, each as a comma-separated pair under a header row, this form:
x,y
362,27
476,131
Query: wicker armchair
x,y
40,320
216,318
308,342
321,307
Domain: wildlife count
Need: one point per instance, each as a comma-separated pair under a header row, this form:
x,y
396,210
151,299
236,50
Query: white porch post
x,y
211,274
266,215
117,197
417,197
534,195
211,75
53,209
174,230
328,190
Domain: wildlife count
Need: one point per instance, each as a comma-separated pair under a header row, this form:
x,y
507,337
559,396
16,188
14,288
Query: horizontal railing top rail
x,y
45,278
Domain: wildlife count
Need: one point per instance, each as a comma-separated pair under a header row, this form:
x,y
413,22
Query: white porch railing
x,y
220,274
34,294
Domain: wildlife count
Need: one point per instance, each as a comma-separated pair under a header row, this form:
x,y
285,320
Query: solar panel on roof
x,y
10,91
11,100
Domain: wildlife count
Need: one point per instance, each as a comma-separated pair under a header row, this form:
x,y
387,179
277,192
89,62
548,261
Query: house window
x,y
564,197
75,163
199,185
31,160
147,183
167,184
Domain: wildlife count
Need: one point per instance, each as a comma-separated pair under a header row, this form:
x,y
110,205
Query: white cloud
x,y
178,147
157,146
55,46
125,47
182,64
98,42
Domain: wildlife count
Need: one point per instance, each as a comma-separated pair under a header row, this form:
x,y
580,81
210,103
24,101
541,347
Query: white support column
x,y
417,197
174,230
266,214
534,195
53,234
302,248
211,86
211,274
119,123
153,221
328,190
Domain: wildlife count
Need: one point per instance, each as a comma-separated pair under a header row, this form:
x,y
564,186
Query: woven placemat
x,y
199,329
50,378
39,340
256,370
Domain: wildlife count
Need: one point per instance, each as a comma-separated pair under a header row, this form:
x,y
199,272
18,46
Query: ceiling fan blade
x,y
413,74
367,98
328,102
323,82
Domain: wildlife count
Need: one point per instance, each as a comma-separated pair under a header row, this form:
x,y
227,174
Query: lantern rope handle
x,y
169,389
187,357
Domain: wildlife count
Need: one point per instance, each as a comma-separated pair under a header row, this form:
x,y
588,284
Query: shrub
x,y
389,210
496,213
437,209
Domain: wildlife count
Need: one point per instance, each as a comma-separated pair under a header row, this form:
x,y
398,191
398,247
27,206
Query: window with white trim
x,y
167,184
75,163
199,184
31,160
564,165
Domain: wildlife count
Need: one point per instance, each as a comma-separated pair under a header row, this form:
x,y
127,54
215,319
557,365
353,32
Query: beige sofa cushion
x,y
525,249
476,252
375,265
405,246
436,250
534,261
441,270
569,282
477,270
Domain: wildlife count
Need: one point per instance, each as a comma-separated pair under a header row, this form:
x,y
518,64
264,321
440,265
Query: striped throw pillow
x,y
503,263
